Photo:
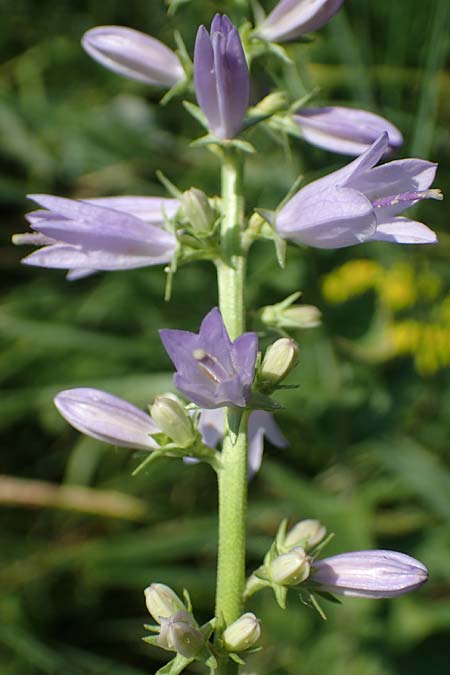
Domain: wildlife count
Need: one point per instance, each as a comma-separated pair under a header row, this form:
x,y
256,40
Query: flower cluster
x,y
228,384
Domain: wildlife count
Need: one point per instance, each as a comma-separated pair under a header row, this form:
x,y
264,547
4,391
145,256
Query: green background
x,y
369,438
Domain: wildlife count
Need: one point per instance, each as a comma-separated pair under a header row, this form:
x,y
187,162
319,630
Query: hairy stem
x,y
233,474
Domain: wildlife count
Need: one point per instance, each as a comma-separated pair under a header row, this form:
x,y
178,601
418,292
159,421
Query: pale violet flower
x,y
133,54
369,574
347,131
360,203
292,19
221,77
111,233
212,371
107,418
261,424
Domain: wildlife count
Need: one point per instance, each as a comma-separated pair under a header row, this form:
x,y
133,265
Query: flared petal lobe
x,y
345,130
133,54
358,203
212,371
369,574
107,418
292,19
221,77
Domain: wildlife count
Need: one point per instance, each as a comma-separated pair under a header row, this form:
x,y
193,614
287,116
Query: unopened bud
x,y
278,361
172,418
290,568
293,317
306,533
242,634
180,634
198,211
162,601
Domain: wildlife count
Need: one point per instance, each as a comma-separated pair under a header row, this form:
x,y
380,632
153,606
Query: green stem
x,y
231,266
233,474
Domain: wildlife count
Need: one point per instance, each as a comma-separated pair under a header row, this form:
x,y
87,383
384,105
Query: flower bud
x,y
172,418
198,211
133,54
369,574
180,634
294,317
279,359
221,77
306,533
290,569
242,634
162,601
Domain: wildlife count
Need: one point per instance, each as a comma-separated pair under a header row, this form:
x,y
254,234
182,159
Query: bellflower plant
x,y
133,54
361,203
221,77
230,387
212,371
345,130
292,19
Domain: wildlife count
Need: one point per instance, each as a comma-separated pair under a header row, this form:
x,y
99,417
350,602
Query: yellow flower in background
x,y
398,288
351,279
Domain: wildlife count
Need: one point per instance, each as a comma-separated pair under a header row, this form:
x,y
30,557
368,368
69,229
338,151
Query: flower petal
x,y
133,54
149,209
369,574
66,256
331,218
403,231
345,130
107,418
293,18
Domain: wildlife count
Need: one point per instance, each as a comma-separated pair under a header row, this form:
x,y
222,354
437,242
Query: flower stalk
x,y
232,477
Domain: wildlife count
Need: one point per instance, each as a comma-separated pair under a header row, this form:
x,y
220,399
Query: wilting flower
x,y
212,371
360,203
293,18
260,424
179,633
133,54
345,130
221,77
112,233
369,574
107,418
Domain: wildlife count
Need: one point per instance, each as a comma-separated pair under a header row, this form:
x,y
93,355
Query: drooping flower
x,y
212,371
260,424
369,574
111,233
133,54
293,18
221,77
345,130
179,633
360,203
107,418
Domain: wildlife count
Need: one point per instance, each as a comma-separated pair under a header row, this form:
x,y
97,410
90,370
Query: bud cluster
x,y
178,631
289,559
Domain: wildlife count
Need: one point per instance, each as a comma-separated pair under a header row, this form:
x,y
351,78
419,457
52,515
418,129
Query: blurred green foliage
x,y
369,439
